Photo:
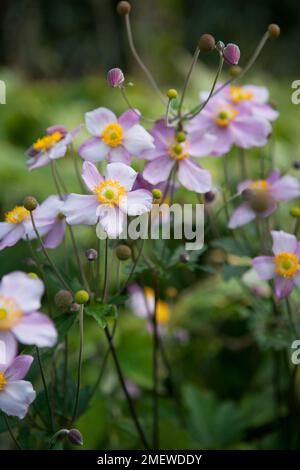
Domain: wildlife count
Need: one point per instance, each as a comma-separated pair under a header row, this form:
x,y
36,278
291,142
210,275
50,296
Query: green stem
x,y
14,439
45,387
155,429
187,79
79,368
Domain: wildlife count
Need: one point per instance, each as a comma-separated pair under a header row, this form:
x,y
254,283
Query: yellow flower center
x,y
2,381
16,215
110,192
162,308
225,116
113,134
177,152
238,94
286,264
260,186
46,142
10,313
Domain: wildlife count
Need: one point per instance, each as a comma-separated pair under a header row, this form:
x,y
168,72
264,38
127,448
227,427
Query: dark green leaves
x,y
102,313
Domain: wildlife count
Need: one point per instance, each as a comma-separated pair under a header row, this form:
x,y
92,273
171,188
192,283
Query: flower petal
x,y
80,209
56,235
286,188
36,328
137,202
12,237
283,287
241,215
19,367
91,176
48,210
16,398
137,140
250,131
129,118
158,170
93,149
119,155
98,119
26,291
264,266
201,145
8,347
111,219
193,177
283,241
122,173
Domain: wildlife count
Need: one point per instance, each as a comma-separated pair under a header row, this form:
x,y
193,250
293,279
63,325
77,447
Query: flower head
x,y
112,198
284,266
232,54
16,394
263,197
115,138
115,78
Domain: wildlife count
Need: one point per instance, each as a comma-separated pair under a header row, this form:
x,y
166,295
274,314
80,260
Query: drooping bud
x,y
75,436
82,297
207,43
63,299
172,94
115,77
156,193
123,8
295,212
274,30
30,203
296,164
232,54
91,254
180,137
235,71
210,196
123,252
184,257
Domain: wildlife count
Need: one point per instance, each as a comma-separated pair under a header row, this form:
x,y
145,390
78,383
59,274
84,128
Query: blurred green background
x,y
54,57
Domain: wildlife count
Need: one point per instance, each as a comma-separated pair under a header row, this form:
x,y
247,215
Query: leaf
x,y
102,313
234,246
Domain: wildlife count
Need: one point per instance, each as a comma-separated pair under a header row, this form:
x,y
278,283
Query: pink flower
x,y
16,225
16,394
20,300
229,125
115,138
284,266
112,198
232,54
263,198
168,153
52,146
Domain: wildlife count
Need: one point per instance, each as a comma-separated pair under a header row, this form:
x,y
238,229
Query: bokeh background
x,y
54,56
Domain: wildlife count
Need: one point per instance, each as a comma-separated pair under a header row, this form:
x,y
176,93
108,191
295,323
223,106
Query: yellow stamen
x,y
2,381
259,186
46,142
113,134
110,192
16,215
177,152
162,308
286,264
238,94
225,116
10,313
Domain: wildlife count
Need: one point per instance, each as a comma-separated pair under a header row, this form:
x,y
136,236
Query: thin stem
x,y
97,287
243,163
168,112
155,429
290,315
11,432
123,384
105,285
126,99
77,171
65,374
59,276
75,411
134,265
140,62
78,259
45,387
61,432
187,79
54,176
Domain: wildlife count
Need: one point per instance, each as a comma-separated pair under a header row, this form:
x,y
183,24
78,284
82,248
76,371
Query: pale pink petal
x,y
12,237
19,368
158,170
286,188
201,145
163,135
265,111
111,219
137,202
36,328
25,290
283,287
91,176
8,347
283,241
56,235
94,149
250,131
97,120
193,177
38,161
137,301
129,118
260,93
244,185
16,398
264,266
119,154
137,140
58,151
241,215
80,209
297,279
48,210
5,228
274,176
122,173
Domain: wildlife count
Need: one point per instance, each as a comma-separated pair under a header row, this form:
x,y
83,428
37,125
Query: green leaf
x,y
235,246
102,313
119,299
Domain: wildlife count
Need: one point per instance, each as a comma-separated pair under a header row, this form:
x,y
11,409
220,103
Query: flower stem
x,y
155,350
45,387
78,259
187,79
105,285
11,432
75,411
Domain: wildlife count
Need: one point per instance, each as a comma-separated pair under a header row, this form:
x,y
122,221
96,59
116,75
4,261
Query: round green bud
x,y
30,203
123,252
177,148
295,212
180,137
172,94
156,193
33,275
63,299
123,8
274,30
82,297
235,71
207,43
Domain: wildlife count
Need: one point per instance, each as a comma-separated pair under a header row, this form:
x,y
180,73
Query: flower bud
x,y
220,46
115,78
63,299
156,193
30,203
123,8
82,297
75,436
184,257
123,252
32,275
274,30
74,307
171,292
295,212
260,202
235,71
91,254
207,43
210,196
296,164
172,94
180,137
247,194
232,54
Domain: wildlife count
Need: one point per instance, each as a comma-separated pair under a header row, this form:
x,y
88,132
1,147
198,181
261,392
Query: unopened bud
x,y
220,46
75,436
123,8
115,77
247,194
156,193
91,254
232,54
274,30
30,203
32,275
172,94
184,257
207,43
74,307
82,297
235,71
210,196
296,164
295,212
123,252
180,137
63,299
260,202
